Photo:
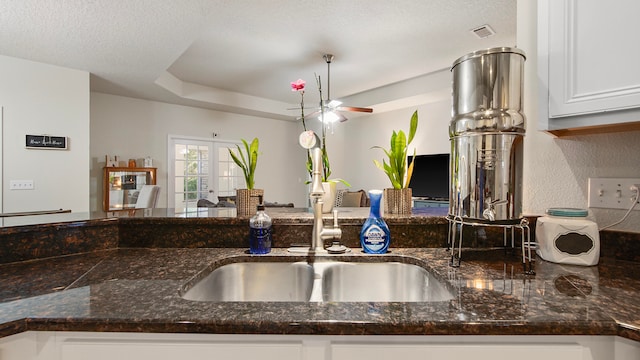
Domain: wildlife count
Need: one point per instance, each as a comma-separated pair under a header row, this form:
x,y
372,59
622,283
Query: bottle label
x,y
374,238
260,233
260,240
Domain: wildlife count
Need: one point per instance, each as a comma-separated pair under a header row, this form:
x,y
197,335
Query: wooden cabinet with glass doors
x,y
121,186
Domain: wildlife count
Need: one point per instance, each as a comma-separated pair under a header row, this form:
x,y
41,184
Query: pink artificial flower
x,y
298,85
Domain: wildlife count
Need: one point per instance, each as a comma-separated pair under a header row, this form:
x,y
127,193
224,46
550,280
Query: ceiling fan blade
x,y
338,116
313,114
341,117
354,108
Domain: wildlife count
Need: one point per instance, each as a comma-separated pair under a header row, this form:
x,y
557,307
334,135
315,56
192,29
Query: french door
x,y
200,169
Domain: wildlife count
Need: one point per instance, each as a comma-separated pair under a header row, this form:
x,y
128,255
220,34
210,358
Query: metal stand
x,y
457,223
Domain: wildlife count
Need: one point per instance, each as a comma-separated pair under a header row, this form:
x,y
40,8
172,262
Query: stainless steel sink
x,y
388,281
320,281
255,281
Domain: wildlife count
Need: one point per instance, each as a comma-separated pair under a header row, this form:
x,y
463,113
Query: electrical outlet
x,y
612,193
21,185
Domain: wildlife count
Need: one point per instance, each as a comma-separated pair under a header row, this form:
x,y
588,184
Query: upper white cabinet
x,y
588,67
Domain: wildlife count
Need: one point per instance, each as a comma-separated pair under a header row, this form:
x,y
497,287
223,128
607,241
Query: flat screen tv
x,y
430,179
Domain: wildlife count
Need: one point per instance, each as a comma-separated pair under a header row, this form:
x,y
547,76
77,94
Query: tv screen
x,y
430,179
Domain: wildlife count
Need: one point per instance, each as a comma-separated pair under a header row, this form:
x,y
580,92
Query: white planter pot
x,y
329,197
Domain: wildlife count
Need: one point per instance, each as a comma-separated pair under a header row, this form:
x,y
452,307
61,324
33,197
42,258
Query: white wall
x,y
134,128
44,99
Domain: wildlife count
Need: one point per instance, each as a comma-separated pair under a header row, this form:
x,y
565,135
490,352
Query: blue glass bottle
x,y
375,235
260,232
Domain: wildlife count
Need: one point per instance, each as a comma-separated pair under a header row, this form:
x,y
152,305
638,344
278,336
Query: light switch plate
x,y
612,193
21,185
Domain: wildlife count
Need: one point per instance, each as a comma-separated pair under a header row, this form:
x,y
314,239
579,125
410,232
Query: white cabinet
x,y
459,351
170,350
588,62
21,346
97,346
42,345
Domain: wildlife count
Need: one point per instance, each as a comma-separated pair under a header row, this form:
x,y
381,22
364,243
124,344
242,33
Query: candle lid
x,y
567,212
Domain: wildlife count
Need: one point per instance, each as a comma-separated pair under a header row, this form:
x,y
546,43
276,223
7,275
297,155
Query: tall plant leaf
x,y
413,126
397,171
247,162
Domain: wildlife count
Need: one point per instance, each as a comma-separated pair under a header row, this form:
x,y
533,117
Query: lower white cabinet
x,y
168,350
477,351
22,346
141,346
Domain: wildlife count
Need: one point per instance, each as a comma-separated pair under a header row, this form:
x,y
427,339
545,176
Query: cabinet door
x,y
593,56
169,350
457,351
20,346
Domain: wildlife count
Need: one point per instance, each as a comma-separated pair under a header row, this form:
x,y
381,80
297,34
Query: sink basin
x,y
320,281
388,281
255,281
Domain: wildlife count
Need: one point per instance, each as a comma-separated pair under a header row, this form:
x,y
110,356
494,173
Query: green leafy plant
x,y
397,169
247,161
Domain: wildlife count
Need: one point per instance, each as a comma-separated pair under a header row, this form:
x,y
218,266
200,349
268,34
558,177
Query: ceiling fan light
x,y
331,117
334,103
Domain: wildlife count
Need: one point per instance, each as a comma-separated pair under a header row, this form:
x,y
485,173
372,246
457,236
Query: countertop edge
x,y
309,328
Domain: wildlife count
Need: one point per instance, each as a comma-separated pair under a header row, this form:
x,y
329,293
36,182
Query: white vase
x,y
329,197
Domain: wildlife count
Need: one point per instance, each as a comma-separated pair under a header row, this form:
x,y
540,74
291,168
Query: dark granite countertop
x,y
124,272
138,290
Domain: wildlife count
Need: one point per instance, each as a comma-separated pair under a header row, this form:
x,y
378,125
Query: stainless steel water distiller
x,y
486,132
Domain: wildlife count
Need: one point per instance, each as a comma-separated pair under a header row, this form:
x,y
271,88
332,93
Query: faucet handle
x,y
335,218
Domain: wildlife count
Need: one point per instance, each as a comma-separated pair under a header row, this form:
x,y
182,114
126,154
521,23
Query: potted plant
x,y
398,198
329,185
247,199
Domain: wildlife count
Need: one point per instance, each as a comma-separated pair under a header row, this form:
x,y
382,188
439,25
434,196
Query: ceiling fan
x,y
331,109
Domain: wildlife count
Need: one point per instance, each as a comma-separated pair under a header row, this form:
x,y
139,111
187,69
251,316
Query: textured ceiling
x,y
240,55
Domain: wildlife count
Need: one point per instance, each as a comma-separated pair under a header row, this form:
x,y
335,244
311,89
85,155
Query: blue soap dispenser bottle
x,y
260,232
375,235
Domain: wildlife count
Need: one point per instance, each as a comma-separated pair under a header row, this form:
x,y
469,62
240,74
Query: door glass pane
x,y
180,151
180,166
179,201
204,152
223,185
179,184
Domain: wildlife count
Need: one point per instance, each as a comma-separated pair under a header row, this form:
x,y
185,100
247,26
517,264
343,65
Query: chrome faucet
x,y
320,233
